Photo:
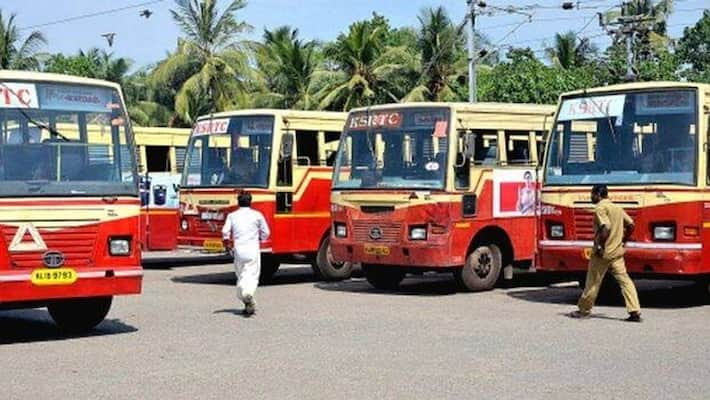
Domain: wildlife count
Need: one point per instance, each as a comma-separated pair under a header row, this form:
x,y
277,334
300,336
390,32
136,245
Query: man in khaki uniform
x,y
612,227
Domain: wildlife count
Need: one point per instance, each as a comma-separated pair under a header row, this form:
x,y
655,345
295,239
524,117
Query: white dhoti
x,y
247,265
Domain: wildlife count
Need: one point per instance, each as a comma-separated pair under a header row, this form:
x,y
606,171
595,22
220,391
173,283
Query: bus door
x,y
282,231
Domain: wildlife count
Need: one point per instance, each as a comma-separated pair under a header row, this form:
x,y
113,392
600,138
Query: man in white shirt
x,y
246,228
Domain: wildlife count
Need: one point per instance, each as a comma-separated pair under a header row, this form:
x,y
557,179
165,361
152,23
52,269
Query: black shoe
x,y
634,317
577,314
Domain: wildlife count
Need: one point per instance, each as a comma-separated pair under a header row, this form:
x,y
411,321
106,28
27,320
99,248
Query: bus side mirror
x,y
286,146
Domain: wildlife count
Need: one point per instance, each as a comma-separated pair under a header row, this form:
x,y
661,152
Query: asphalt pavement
x,y
185,338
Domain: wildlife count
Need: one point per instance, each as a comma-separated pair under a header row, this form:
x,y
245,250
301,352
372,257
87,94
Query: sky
x,y
146,41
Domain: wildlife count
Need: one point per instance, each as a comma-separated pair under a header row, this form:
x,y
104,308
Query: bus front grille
x,y
584,223
390,232
75,243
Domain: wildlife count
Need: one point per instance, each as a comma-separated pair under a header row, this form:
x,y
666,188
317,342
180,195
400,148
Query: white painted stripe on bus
x,y
91,274
128,273
15,278
630,245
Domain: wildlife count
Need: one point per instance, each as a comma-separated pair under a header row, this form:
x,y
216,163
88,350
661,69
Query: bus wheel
x,y
383,277
79,315
325,266
481,270
269,266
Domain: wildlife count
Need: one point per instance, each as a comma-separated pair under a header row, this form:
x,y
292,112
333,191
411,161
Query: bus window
x,y
517,148
307,148
486,152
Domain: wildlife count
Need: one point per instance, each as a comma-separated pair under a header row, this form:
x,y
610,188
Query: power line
x,y
90,15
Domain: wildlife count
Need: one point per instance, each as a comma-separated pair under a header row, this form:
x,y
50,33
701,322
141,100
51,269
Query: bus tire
x,y
481,270
269,265
326,268
383,277
79,315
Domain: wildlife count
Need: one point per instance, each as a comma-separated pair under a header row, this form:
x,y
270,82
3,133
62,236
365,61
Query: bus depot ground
x,y
185,338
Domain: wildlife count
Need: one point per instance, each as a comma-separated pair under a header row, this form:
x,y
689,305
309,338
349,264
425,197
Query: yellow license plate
x,y
213,246
587,254
373,250
50,277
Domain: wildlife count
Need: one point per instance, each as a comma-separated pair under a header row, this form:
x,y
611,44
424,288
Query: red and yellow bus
x,y
69,207
648,143
284,159
439,187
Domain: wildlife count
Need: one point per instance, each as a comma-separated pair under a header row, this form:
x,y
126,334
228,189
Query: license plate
x,y
212,216
374,250
50,277
213,246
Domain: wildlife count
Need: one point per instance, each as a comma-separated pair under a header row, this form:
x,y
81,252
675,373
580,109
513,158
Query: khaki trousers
x,y
595,275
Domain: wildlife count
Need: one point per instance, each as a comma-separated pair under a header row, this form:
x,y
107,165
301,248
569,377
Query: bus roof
x,y
640,86
6,74
334,115
482,107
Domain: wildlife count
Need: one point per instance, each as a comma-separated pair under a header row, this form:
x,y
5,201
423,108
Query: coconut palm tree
x,y
16,53
209,65
440,43
287,66
569,52
361,66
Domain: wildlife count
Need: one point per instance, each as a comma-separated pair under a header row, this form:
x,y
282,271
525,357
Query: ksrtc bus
x,y
69,207
648,142
284,158
440,187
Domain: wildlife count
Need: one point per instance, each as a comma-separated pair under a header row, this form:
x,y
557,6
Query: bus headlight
x,y
664,233
557,231
341,230
417,233
184,225
119,246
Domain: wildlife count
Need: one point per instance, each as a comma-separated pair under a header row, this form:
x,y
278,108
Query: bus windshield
x,y
232,151
393,149
60,139
647,137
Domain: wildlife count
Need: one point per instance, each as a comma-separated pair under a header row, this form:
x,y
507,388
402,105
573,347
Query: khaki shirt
x,y
615,219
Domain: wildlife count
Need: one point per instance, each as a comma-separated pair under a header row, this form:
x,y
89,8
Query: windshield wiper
x,y
44,126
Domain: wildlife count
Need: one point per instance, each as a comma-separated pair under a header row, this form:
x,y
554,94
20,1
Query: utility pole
x,y
472,51
627,26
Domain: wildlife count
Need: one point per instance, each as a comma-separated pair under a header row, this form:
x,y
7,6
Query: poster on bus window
x,y
514,193
161,193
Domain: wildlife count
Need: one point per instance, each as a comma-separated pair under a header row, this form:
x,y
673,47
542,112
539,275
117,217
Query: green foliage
x,y
16,53
207,70
694,50
525,79
362,66
440,44
286,66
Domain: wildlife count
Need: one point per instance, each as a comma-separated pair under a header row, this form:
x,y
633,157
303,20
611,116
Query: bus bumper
x,y
16,286
664,259
425,255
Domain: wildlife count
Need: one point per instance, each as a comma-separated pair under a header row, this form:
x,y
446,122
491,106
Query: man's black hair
x,y
601,190
244,199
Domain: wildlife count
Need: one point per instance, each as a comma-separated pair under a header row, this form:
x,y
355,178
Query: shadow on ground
x,y
652,294
35,325
168,264
432,284
286,275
